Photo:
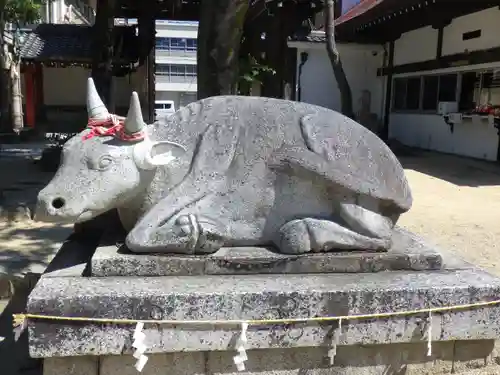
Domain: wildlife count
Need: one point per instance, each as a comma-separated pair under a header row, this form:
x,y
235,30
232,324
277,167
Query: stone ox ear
x,y
149,154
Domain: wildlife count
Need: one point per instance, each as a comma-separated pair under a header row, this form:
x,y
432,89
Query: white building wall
x,y
410,47
175,29
429,131
360,62
68,87
487,21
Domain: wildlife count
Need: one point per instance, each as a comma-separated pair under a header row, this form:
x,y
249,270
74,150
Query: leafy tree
x,y
251,71
15,13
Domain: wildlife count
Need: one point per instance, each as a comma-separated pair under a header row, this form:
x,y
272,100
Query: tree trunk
x,y
4,82
103,47
17,98
219,38
333,54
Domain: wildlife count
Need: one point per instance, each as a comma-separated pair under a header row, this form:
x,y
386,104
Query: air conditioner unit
x,y
447,107
455,118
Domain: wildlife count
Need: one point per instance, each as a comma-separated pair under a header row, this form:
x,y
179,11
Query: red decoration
x,y
112,126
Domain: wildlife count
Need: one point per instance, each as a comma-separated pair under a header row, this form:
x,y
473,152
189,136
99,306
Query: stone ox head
x,y
105,166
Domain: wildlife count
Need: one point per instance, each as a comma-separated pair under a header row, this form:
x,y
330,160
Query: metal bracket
x,y
496,124
451,124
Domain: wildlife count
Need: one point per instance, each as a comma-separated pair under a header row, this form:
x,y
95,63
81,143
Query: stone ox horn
x,y
95,106
96,109
134,122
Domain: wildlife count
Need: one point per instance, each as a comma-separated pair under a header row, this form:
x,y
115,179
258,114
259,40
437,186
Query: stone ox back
x,y
231,171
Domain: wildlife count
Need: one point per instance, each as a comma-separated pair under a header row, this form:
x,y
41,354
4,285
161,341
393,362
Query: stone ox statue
x,y
231,171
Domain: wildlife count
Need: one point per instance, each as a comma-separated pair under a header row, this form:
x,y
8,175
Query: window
x,y
407,93
176,44
399,96
191,44
467,101
413,87
424,93
177,70
480,92
162,69
191,70
430,93
184,72
448,88
162,43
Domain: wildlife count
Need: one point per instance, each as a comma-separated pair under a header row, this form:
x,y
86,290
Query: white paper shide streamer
x,y
429,336
19,329
140,347
241,357
335,341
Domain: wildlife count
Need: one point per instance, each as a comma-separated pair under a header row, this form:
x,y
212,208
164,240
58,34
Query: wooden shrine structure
x,y
266,28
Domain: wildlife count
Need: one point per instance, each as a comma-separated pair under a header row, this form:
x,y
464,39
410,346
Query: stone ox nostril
x,y
58,203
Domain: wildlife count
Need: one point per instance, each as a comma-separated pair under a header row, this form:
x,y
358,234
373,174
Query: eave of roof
x,y
70,43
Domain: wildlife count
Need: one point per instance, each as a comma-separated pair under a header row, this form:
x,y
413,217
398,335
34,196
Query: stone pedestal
x,y
247,284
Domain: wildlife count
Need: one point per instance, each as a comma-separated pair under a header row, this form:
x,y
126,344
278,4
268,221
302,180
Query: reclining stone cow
x,y
231,171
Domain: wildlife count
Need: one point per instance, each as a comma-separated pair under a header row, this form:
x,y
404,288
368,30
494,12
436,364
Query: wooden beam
x,y
448,61
380,21
439,49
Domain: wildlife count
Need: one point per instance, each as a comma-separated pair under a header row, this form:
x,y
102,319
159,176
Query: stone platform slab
x,y
409,252
249,297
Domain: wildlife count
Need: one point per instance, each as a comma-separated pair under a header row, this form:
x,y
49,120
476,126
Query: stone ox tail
x,y
231,171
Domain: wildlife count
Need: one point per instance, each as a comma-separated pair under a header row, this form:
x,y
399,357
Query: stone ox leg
x,y
231,171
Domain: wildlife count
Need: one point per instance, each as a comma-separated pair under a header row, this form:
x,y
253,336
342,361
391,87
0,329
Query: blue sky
x,y
348,4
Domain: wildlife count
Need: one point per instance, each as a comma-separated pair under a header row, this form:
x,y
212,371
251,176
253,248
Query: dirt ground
x,y
456,206
25,246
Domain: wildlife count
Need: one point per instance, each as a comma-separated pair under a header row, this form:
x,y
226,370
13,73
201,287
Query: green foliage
x,y
251,70
21,11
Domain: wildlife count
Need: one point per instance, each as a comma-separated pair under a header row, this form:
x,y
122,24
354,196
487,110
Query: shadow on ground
x,y
457,170
25,246
28,248
14,355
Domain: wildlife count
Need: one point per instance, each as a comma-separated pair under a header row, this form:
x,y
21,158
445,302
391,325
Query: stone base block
x,y
408,252
452,357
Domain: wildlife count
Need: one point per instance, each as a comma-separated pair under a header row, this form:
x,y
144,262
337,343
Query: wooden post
x,y
40,97
146,23
103,51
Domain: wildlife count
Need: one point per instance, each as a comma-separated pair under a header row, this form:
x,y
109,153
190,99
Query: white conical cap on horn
x,y
134,121
95,106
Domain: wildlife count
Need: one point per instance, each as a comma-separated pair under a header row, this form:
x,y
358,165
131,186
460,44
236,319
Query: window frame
x,y
420,109
175,44
188,71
